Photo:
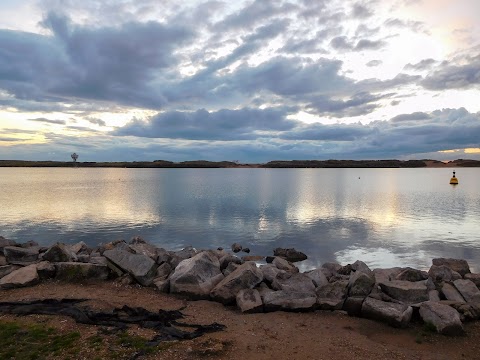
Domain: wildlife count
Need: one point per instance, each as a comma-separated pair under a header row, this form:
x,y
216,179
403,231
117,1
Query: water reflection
x,y
387,217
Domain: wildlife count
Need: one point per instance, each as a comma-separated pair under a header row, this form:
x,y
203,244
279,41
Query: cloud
x,y
360,11
48,121
95,121
225,125
344,44
453,76
409,117
425,64
373,63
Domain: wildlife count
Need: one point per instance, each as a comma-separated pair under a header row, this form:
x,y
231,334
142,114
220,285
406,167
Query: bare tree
x,y
74,157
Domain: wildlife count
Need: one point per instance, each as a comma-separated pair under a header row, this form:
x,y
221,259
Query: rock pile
x,y
444,297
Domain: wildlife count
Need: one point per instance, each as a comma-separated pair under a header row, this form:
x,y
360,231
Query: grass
x,y
31,342
34,341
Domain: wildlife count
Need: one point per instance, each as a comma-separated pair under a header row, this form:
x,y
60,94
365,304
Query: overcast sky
x,y
254,81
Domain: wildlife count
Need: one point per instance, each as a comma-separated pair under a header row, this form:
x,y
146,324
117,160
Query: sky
x,y
248,81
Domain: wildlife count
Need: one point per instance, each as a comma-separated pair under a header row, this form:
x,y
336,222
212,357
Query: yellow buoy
x,y
454,180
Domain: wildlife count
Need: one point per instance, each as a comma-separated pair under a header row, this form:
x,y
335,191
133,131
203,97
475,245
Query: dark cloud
x,y
243,124
452,76
95,121
48,121
360,11
338,132
342,43
10,139
425,64
366,44
410,117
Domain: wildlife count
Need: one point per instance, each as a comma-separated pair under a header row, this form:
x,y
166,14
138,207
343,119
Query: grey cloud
x,y
360,11
48,121
373,63
243,124
10,139
359,104
450,76
416,26
366,44
95,121
425,64
343,43
319,132
409,117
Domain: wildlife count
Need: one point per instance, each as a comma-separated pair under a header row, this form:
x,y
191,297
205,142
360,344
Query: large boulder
x,y
330,269
290,254
458,265
445,318
246,276
46,270
80,248
270,272
451,293
6,242
406,291
398,315
25,276
75,271
7,269
141,267
227,259
318,277
283,264
59,253
353,305
144,248
3,260
196,276
383,275
468,290
289,301
361,266
20,256
473,277
332,295
409,274
249,301
361,283
294,283
443,273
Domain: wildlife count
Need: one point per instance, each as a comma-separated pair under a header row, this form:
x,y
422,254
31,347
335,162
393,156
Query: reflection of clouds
x,y
384,258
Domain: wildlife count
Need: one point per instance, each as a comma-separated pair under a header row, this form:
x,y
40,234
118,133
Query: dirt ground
x,y
279,335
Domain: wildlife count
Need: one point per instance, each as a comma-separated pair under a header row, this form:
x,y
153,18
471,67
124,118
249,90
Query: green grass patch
x,y
30,342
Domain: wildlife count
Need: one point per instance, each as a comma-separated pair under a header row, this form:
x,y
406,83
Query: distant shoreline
x,y
230,164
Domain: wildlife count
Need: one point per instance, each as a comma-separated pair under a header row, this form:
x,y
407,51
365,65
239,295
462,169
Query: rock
x,y
163,271
290,254
353,305
46,270
270,272
59,253
289,301
445,318
473,277
141,267
318,277
98,260
246,250
361,266
7,269
433,295
236,247
137,240
269,259
75,271
398,315
80,248
230,268
164,256
186,253
146,249
466,311
451,293
246,276
249,301
196,276
345,270
253,258
383,275
6,242
458,265
125,279
84,258
28,244
329,269
162,285
227,259
443,273
20,256
3,260
25,276
468,290
283,264
332,295
300,283
406,291
360,283
409,274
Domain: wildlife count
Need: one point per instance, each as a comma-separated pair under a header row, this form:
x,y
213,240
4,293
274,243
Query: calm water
x,y
386,217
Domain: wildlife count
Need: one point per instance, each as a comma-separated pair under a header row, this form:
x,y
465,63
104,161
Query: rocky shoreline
x,y
443,298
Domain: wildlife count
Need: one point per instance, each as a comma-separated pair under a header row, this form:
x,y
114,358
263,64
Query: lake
x,y
385,217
